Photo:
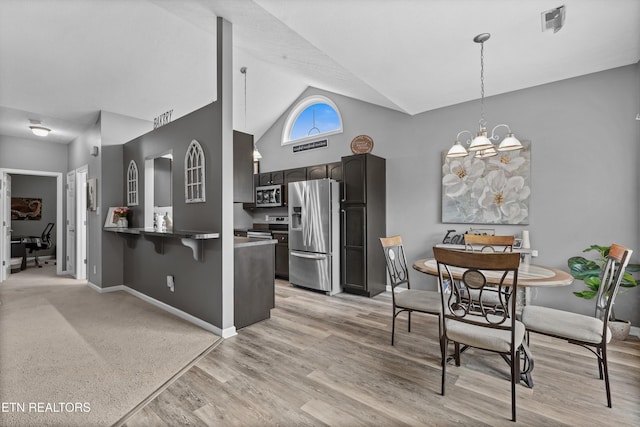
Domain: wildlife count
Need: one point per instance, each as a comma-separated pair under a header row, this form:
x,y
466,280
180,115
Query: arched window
x,y
311,118
132,184
194,174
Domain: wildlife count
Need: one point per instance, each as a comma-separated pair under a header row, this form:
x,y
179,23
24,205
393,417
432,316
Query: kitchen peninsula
x,y
254,280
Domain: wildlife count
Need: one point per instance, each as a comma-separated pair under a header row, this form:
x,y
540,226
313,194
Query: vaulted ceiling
x,y
63,61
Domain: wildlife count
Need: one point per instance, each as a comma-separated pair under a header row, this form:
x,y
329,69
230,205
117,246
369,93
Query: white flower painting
x,y
495,190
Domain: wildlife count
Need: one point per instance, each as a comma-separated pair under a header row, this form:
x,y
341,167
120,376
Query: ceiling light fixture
x,y
256,154
39,130
482,144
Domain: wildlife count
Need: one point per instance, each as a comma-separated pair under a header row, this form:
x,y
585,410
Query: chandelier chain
x,y
482,120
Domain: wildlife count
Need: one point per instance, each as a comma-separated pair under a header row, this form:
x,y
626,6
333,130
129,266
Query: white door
x,y
5,239
81,224
71,223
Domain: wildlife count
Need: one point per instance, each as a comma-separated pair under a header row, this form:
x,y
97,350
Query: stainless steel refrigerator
x,y
314,235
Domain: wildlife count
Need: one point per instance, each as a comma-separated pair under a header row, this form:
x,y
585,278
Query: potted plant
x,y
589,272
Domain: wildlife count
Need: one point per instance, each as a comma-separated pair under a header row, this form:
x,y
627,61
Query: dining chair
x,y
467,320
592,333
485,243
403,297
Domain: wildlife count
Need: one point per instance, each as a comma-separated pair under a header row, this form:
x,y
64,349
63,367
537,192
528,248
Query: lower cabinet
x,y
254,292
282,254
354,276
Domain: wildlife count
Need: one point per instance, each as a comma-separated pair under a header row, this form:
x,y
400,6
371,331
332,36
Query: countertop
x,y
242,242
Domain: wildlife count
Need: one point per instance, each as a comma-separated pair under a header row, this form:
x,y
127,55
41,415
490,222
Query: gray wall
x,y
22,153
162,182
197,284
43,187
79,155
36,155
584,150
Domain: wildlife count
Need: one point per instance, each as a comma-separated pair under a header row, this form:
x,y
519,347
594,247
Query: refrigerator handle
x,y
307,255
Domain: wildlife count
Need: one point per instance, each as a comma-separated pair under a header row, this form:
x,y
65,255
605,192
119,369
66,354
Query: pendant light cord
x,y
244,71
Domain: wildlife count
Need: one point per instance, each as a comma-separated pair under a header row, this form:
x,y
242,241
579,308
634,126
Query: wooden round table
x,y
528,274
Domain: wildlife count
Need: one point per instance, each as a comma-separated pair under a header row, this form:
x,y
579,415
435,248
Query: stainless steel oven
x,y
269,196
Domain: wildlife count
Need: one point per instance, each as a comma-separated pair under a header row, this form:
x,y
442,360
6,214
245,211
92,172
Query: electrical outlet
x,y
95,269
534,253
170,283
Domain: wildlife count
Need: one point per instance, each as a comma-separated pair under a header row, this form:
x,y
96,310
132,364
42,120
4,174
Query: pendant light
x,y
482,144
256,154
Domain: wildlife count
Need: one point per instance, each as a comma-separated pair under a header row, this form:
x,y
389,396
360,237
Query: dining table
x,y
529,276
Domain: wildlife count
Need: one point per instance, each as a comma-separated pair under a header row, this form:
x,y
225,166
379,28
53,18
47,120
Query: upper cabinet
x,y
334,171
316,172
242,167
271,178
295,175
354,179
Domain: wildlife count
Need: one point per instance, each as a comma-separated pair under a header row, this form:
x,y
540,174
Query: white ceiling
x,y
63,61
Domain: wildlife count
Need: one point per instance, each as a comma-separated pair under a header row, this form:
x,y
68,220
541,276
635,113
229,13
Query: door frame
x,y
60,230
81,222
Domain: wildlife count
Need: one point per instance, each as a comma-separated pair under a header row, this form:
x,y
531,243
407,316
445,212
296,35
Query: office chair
x,y
41,243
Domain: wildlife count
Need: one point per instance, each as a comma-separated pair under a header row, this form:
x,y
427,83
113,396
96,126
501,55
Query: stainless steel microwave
x,y
269,196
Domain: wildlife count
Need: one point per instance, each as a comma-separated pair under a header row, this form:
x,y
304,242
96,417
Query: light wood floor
x,y
328,361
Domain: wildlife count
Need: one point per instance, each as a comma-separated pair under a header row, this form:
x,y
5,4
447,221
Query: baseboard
x,y
224,333
105,290
635,331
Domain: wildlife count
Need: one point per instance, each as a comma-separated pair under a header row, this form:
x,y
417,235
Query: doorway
x,y
5,217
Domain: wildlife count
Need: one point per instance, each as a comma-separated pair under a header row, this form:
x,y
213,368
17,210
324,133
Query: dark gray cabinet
x,y
363,223
242,167
334,171
316,172
271,178
254,292
282,254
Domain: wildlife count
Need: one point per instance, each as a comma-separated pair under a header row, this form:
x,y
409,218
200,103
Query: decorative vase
x,y
526,241
123,223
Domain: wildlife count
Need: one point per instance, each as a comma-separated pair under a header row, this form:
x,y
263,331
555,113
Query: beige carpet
x,y
70,356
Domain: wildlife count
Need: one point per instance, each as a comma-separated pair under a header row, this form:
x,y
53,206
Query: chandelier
x,y
482,144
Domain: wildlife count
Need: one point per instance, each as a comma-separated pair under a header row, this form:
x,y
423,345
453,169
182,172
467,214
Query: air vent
x,y
553,19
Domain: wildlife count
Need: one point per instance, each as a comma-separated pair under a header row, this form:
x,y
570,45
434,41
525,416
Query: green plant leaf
x,y
592,283
628,281
633,267
603,250
585,294
581,268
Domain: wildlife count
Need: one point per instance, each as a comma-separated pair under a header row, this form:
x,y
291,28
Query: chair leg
x,y
599,354
606,374
457,353
515,373
409,321
443,349
393,326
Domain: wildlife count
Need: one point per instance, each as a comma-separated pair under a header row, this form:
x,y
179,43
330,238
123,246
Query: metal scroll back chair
x,y
484,243
41,243
467,320
488,243
592,333
408,300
